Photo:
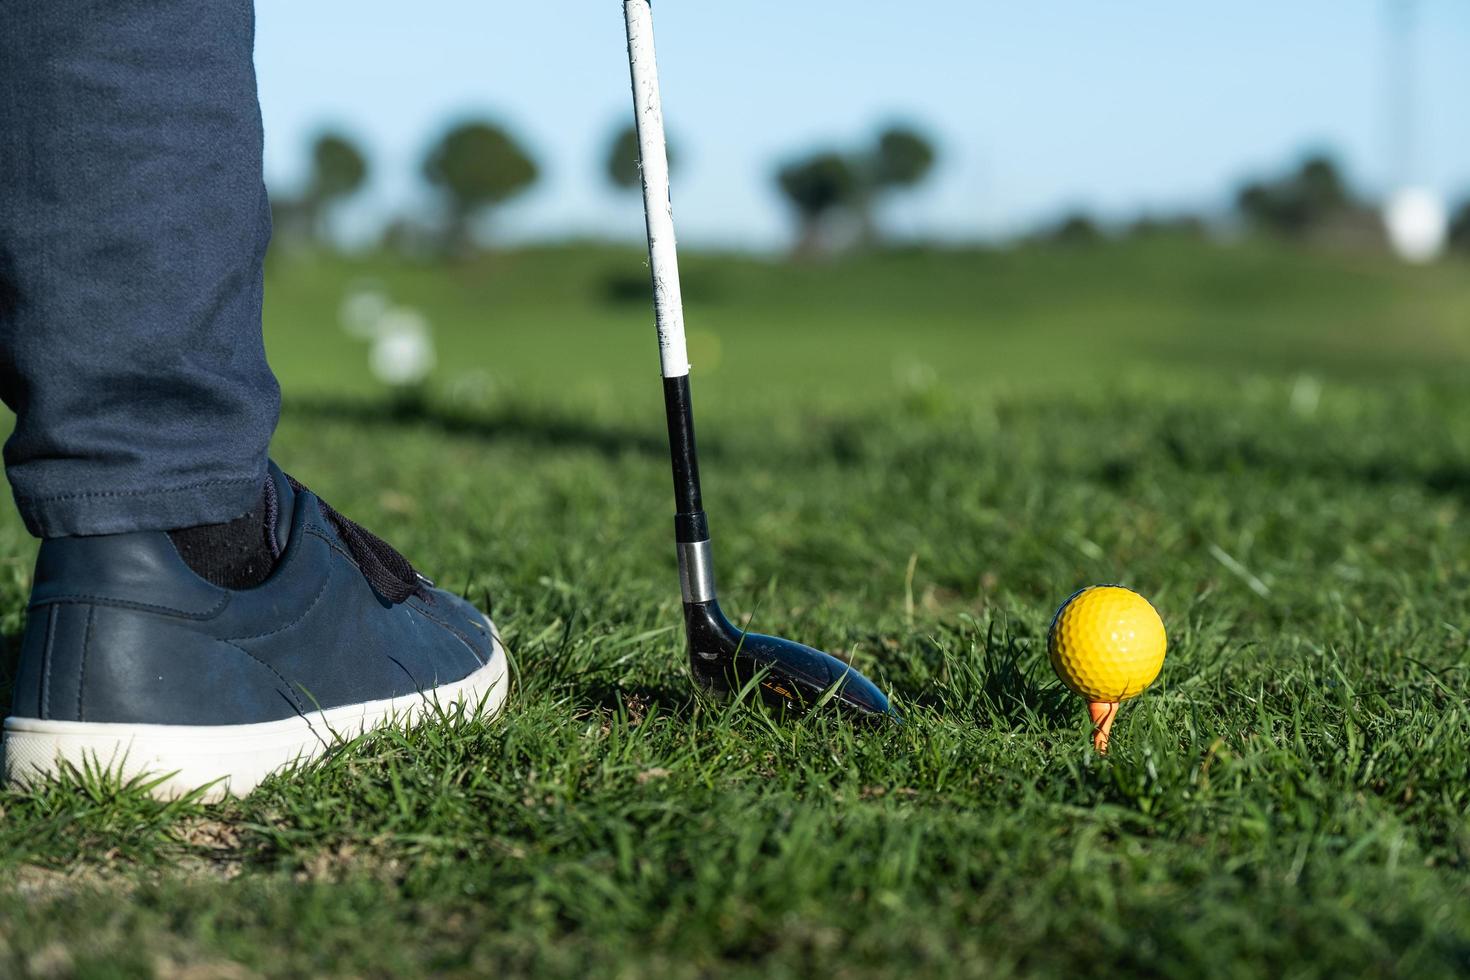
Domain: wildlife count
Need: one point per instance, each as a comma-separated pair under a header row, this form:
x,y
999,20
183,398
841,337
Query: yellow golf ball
x,y
1107,643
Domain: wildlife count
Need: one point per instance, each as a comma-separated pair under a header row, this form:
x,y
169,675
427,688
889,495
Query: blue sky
x,y
1111,105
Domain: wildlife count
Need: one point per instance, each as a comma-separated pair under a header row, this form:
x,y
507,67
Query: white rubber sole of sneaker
x,y
230,760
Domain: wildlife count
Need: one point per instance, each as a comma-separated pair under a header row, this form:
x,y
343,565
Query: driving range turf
x,y
910,460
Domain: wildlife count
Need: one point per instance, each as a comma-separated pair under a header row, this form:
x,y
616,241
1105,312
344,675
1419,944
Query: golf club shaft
x,y
696,573
722,658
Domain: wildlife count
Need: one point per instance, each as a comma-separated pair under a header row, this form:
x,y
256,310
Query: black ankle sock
x,y
238,554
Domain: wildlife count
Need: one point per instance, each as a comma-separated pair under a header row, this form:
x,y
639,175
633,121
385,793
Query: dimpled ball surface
x,y
1107,643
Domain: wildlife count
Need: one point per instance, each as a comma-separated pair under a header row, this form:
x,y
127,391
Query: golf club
x,y
723,658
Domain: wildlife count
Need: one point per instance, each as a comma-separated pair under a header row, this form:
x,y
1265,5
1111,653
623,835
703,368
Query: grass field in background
x,y
909,459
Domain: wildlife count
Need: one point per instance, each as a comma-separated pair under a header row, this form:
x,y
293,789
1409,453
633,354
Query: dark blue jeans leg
x,y
133,224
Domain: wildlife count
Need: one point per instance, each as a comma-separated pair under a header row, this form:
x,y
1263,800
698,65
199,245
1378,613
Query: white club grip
x,y
658,208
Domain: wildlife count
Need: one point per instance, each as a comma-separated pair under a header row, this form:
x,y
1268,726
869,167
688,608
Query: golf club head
x,y
793,677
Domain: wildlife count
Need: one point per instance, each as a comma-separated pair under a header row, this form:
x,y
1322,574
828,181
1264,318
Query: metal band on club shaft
x,y
696,571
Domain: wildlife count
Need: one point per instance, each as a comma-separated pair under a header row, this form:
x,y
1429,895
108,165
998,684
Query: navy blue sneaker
x,y
134,663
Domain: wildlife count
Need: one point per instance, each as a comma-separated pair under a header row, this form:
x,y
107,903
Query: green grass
x,y
910,460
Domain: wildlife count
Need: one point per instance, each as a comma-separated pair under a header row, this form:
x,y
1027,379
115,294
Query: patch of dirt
x,y
349,860
215,849
51,960
168,969
37,884
637,708
214,835
213,852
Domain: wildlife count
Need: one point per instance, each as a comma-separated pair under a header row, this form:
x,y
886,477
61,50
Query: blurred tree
x,y
1298,203
338,170
1322,185
828,184
1167,226
1459,239
621,165
817,187
1076,228
904,158
476,165
901,159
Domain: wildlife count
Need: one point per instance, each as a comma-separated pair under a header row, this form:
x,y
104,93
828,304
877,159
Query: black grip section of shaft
x,y
681,447
691,527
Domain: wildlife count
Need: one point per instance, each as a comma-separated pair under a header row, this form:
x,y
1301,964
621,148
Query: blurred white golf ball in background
x,y
1417,224
402,352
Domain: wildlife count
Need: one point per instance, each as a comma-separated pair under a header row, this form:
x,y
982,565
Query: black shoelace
x,y
389,573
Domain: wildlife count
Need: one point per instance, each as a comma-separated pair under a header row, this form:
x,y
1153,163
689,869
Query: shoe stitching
x,y
326,580
285,684
457,634
419,606
46,659
330,540
102,600
312,527
82,668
